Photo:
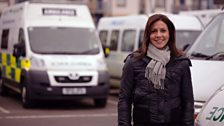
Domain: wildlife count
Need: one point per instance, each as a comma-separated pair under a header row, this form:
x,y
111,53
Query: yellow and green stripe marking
x,y
11,66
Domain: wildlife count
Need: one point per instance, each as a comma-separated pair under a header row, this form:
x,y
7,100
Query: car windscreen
x,y
210,44
63,40
186,38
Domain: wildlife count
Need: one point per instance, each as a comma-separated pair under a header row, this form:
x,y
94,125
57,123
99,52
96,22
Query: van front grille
x,y
66,79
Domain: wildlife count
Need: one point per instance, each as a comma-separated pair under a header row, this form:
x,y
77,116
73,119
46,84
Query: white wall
x,y
3,5
132,7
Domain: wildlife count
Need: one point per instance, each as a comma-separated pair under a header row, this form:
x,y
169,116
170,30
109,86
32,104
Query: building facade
x,y
100,8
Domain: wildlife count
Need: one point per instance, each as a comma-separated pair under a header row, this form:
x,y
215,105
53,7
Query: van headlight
x,y
37,63
102,66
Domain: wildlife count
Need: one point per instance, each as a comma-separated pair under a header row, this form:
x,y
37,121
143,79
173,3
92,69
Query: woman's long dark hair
x,y
142,51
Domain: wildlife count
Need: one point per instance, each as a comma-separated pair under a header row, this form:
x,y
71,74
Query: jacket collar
x,y
146,59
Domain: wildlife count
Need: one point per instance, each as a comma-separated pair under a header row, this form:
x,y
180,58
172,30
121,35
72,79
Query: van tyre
x,y
3,89
100,103
25,98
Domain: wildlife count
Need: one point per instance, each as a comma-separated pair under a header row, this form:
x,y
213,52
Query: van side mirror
x,y
106,50
186,47
18,50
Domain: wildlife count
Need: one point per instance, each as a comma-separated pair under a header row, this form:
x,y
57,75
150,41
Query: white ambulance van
x,y
207,57
52,51
124,34
212,113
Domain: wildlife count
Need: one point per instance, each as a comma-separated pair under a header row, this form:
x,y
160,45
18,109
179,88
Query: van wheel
x,y
25,100
3,89
101,103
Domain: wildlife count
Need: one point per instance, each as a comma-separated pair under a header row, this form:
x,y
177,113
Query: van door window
x,y
21,41
186,38
114,40
128,40
141,36
103,36
4,39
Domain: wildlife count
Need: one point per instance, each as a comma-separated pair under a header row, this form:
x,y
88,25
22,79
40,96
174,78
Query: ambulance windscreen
x,y
61,40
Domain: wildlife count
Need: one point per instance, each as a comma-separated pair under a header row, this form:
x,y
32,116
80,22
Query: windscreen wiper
x,y
218,55
199,55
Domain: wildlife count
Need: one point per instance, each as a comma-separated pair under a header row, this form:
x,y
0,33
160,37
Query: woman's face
x,y
159,36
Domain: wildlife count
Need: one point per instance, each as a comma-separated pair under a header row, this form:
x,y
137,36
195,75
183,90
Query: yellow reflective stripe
x,y
17,74
1,59
4,58
8,72
25,63
13,61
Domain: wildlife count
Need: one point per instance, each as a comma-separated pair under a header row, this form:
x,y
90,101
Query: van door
x,y
112,59
120,47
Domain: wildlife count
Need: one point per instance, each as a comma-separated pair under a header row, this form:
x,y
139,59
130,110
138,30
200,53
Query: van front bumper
x,y
39,88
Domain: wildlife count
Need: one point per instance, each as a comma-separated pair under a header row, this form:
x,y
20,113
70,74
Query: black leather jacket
x,y
174,104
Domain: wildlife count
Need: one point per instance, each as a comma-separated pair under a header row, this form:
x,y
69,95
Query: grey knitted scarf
x,y
156,70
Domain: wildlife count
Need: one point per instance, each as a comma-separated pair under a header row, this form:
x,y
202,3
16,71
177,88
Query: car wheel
x,y
25,98
101,103
3,89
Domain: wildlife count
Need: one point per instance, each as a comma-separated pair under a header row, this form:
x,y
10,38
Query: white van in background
x,y
51,51
204,16
207,57
124,34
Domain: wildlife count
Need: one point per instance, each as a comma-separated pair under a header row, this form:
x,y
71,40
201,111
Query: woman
x,y
156,80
